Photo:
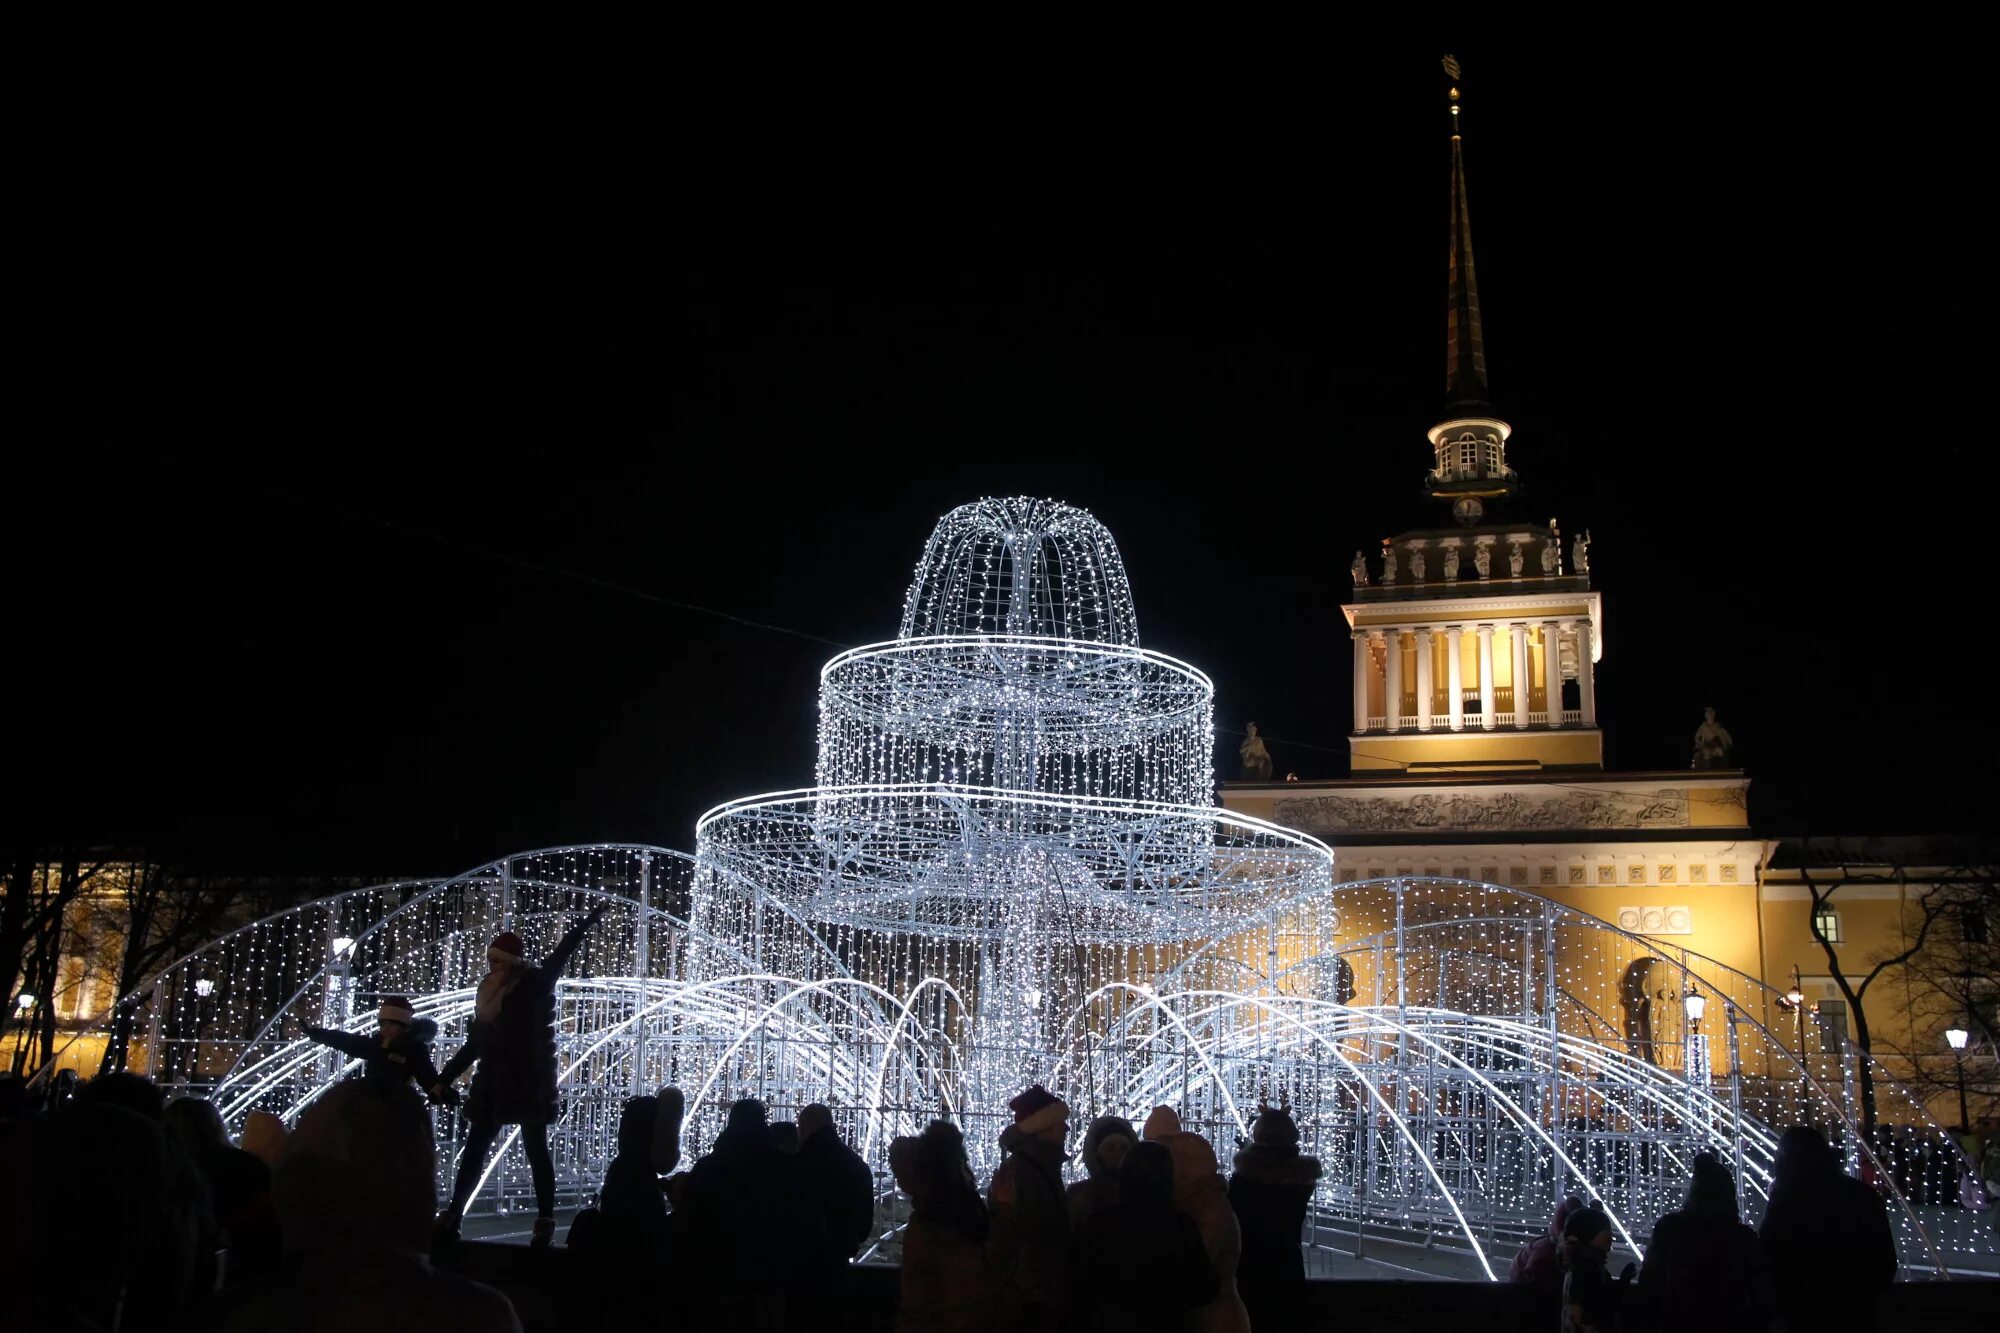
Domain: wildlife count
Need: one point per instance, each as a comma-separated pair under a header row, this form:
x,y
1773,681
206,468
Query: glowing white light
x,y
1956,1038
24,1002
204,987
1010,873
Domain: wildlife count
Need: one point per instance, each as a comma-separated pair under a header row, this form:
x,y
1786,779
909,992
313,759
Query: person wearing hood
x,y
513,1038
1201,1193
1825,1237
1162,1122
944,1286
1540,1260
1105,1144
1704,1267
1270,1189
399,1052
745,1225
1589,1296
239,1188
1029,1242
1140,1263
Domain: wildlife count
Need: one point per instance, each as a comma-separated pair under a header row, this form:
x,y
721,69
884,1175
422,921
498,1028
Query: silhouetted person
x,y
263,1137
1589,1296
95,1229
513,1038
1705,1268
944,1285
843,1189
355,1191
1201,1193
239,1188
1105,1144
1029,1243
745,1226
632,1209
188,1197
1140,1264
399,1051
785,1137
1270,1190
1826,1239
1540,1260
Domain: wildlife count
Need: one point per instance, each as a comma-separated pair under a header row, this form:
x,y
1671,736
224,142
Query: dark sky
x,y
340,389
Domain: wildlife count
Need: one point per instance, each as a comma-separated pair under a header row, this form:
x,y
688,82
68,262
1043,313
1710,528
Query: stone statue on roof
x,y
1714,747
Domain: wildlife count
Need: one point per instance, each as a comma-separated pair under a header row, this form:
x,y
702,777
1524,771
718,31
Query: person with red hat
x,y
398,1053
512,1036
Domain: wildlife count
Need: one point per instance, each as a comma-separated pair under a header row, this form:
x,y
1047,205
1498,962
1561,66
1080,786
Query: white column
x,y
1486,719
1392,680
1362,667
1586,675
1552,672
1454,677
1424,669
1518,632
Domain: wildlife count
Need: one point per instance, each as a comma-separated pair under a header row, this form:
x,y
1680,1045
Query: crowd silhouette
x,y
333,1225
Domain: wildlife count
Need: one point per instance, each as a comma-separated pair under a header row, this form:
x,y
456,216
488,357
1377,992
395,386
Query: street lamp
x,y
204,987
1956,1039
341,944
1696,1004
25,1001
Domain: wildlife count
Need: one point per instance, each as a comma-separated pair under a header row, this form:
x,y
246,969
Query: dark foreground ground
x,y
553,1291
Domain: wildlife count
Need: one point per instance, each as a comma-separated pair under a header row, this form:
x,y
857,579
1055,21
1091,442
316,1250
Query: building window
x,y
1826,924
1972,924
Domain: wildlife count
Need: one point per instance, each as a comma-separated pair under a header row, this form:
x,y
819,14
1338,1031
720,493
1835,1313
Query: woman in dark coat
x,y
1704,1268
513,1038
1269,1190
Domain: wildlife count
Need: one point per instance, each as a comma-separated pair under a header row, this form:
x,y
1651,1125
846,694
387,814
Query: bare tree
x,y
157,916
1938,889
34,915
1956,983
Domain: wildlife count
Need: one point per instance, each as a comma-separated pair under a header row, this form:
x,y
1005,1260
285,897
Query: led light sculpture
x,y
1009,872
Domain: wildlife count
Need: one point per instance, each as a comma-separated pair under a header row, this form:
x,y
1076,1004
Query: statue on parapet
x,y
1256,759
1579,552
1714,747
1359,569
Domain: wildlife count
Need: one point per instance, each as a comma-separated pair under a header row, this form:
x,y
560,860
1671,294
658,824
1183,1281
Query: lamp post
x,y
1695,1004
1956,1039
1795,1001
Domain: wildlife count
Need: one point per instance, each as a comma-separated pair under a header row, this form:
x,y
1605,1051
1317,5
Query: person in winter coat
x,y
1589,1296
1201,1193
1825,1237
745,1225
840,1183
944,1283
1029,1241
513,1038
1705,1268
1540,1260
1161,1123
263,1137
354,1192
632,1209
1140,1263
1270,1190
239,1188
1105,1144
398,1053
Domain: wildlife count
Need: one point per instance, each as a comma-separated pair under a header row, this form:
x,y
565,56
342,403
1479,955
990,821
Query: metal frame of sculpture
x,y
1008,874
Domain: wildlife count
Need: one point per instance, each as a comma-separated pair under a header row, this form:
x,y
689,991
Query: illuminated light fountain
x,y
1009,872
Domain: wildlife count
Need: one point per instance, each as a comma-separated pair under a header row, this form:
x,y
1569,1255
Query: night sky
x,y
377,429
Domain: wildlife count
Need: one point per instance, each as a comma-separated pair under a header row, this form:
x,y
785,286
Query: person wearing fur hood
x,y
1201,1193
1027,1247
1270,1191
1105,1144
398,1053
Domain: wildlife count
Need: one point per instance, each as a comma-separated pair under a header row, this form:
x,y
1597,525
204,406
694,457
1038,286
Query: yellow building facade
x,y
1475,751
